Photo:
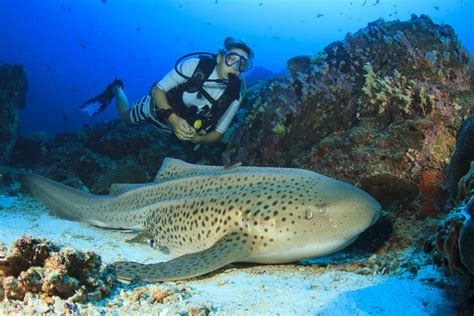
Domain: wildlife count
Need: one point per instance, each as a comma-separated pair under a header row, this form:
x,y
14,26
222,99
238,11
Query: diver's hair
x,y
231,43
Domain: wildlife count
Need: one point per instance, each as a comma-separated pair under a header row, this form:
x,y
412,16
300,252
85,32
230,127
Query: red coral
x,y
430,191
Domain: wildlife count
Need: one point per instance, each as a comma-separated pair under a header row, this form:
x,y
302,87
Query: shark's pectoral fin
x,y
232,247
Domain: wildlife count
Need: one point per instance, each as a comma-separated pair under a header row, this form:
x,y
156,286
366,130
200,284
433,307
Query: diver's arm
x,y
209,138
181,128
159,98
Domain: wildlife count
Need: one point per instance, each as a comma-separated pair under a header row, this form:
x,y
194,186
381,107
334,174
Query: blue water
x,y
71,49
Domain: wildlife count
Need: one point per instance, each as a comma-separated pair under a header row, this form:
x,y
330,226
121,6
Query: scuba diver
x,y
195,102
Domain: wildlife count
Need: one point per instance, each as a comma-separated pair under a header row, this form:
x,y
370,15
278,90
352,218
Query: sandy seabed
x,y
234,290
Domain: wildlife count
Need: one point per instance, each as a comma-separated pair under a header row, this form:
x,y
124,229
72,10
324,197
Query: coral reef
x,y
38,266
97,155
358,111
463,155
13,86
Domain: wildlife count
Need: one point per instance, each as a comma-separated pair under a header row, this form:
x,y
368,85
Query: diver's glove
x,y
99,103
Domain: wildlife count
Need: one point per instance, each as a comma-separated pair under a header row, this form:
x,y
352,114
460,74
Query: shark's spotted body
x,y
213,216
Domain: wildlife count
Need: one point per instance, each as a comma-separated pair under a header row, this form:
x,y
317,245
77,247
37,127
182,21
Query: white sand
x,y
258,290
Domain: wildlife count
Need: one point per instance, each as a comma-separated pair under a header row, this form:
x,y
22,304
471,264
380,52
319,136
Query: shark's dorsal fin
x,y
119,188
172,168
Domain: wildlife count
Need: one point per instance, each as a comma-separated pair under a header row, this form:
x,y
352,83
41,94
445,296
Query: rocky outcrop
x,y
13,86
97,156
379,109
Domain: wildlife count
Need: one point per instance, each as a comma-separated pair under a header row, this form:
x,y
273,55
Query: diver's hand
x,y
181,128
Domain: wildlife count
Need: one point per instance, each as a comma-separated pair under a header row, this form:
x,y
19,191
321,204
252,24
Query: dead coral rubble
x,y
38,266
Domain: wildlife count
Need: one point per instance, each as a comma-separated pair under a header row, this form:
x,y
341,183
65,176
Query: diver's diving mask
x,y
237,61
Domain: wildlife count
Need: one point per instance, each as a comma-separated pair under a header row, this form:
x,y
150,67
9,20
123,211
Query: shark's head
x,y
318,216
347,208
339,213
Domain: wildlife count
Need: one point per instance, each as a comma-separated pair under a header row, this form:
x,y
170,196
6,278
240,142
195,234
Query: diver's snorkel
x,y
197,54
211,55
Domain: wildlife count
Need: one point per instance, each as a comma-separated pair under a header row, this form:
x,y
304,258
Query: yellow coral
x,y
279,129
395,89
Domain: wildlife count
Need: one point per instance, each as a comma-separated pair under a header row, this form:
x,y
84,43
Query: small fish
x,y
260,4
138,29
436,7
319,15
83,45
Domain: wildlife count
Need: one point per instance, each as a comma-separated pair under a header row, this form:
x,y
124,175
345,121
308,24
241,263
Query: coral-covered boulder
x,y
378,109
13,86
41,267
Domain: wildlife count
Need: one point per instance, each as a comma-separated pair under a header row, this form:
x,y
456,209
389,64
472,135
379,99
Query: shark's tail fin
x,y
63,201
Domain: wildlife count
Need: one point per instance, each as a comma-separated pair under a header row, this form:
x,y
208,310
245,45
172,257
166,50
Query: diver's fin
x,y
232,247
99,103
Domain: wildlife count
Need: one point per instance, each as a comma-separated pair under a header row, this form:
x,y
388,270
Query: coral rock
x,y
380,104
38,266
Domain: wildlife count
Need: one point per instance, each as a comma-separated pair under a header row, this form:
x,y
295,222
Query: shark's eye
x,y
322,210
